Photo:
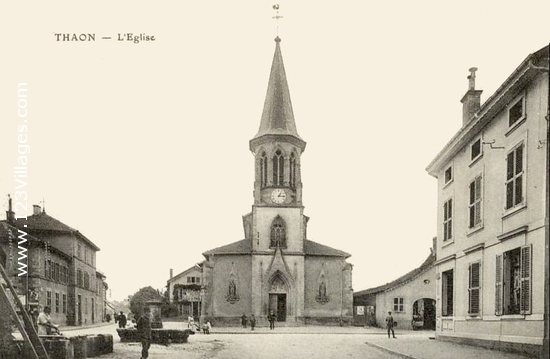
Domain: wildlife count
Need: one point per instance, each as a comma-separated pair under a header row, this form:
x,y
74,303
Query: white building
x,y
492,204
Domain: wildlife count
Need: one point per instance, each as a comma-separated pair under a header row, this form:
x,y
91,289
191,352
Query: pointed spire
x,y
277,116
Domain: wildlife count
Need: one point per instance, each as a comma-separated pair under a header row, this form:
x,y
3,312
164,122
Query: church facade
x,y
275,269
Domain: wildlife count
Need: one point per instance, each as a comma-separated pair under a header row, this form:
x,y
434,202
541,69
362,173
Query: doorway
x,y
423,314
79,309
277,304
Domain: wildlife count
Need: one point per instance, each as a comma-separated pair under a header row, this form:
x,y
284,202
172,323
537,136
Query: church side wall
x,y
227,309
332,309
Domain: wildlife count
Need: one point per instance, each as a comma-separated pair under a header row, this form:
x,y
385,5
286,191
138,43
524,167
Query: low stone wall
x,y
60,347
90,346
158,336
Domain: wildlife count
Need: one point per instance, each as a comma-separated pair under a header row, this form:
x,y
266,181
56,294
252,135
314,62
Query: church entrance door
x,y
277,304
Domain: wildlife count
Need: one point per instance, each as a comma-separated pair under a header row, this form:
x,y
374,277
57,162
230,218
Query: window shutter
x,y
477,219
474,288
498,285
525,288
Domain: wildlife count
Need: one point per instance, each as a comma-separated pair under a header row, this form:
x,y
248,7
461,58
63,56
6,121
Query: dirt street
x,y
260,346
263,344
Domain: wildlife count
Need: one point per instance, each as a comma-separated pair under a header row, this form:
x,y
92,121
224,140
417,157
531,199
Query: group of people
x,y
244,321
271,317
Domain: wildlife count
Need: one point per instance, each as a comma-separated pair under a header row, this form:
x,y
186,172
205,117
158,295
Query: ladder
x,y
30,336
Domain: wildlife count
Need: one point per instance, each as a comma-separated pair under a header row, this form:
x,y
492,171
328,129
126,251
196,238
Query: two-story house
x,y
184,290
492,205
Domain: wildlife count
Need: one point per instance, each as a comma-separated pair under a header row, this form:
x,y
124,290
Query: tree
x,y
168,309
141,297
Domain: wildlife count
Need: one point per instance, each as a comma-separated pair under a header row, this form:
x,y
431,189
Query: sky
x,y
143,147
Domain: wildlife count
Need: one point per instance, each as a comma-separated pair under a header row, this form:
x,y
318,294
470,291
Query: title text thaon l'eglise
x,y
91,37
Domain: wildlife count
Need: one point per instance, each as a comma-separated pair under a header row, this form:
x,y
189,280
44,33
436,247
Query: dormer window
x,y
278,168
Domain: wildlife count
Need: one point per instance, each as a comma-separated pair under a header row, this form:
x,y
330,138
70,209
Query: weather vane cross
x,y
277,17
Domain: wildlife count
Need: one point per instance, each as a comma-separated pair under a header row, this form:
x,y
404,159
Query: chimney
x,y
171,273
36,209
434,246
10,214
471,101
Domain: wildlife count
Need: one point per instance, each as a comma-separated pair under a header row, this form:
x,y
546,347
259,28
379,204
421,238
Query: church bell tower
x,y
277,148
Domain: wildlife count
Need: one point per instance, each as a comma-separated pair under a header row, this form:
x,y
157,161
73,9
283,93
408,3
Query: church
x,y
275,269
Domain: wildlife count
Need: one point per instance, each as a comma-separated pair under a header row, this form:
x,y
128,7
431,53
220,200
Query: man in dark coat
x,y
144,329
389,324
243,320
271,318
252,322
121,320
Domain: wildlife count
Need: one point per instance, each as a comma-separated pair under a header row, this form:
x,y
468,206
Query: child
x,y
206,327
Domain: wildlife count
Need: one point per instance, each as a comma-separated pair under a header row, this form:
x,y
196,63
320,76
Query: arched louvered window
x,y
292,170
278,233
263,170
278,168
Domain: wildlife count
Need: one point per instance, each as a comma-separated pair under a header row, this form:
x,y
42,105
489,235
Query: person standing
x,y
206,327
243,320
252,322
144,329
389,324
121,320
271,318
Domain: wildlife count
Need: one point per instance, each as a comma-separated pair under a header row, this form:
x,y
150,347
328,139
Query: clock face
x,y
278,196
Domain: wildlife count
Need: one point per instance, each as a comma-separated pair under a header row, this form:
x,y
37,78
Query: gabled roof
x,y
239,247
197,267
316,249
404,279
7,229
310,249
43,222
278,116
524,73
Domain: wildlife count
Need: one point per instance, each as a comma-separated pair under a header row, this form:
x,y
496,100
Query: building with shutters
x,y
61,268
276,268
492,179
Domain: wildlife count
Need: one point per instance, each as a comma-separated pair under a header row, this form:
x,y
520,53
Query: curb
x,y
394,352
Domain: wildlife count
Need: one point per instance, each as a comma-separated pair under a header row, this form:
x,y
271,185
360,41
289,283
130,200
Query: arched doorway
x,y
278,297
423,314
